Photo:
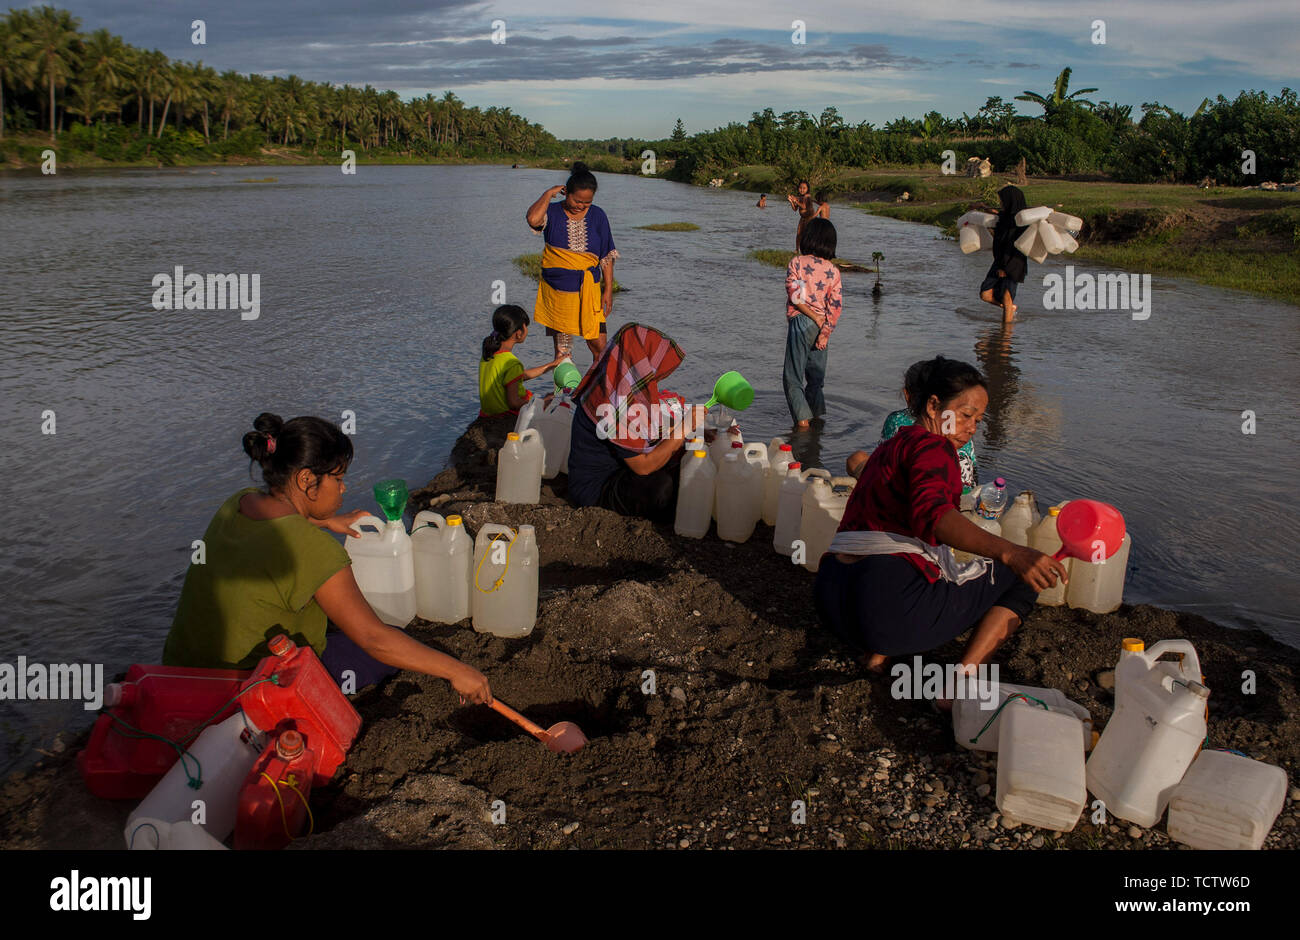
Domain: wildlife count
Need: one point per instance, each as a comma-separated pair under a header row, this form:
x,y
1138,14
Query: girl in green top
x,y
271,567
501,376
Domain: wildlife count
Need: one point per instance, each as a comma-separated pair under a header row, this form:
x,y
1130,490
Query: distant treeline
x,y
1072,135
125,103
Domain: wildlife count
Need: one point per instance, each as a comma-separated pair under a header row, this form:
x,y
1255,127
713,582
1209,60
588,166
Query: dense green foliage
x,y
96,94
1071,136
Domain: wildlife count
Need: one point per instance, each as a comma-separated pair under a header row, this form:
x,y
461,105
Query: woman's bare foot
x,y
873,662
857,460
802,425
1009,313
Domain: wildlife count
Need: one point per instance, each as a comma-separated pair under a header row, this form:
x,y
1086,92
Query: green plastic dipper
x,y
733,391
567,376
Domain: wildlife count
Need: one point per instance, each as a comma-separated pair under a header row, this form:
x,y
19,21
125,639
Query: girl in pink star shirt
x,y
813,306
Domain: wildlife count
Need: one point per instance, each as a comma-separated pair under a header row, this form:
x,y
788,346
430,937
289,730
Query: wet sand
x,y
755,707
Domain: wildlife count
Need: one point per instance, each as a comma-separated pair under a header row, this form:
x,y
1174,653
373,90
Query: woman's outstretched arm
x,y
343,603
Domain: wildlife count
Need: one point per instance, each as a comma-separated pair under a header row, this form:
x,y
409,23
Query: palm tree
x,y
1052,102
349,109
170,79
206,88
105,64
50,47
15,68
152,77
183,90
89,101
229,94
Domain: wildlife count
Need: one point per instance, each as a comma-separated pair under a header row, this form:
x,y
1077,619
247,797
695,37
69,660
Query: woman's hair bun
x,y
265,427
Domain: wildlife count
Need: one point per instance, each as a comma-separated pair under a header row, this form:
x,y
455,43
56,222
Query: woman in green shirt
x,y
270,567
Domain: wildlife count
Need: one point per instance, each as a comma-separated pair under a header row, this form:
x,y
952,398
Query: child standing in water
x,y
501,375
813,306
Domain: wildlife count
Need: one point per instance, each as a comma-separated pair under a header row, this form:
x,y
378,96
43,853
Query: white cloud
x,y
1259,36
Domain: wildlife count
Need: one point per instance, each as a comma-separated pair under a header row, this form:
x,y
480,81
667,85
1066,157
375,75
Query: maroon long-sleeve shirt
x,y
908,485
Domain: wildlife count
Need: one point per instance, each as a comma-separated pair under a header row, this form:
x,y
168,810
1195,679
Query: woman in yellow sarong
x,y
576,291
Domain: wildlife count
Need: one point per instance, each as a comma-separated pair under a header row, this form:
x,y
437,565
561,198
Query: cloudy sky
x,y
631,67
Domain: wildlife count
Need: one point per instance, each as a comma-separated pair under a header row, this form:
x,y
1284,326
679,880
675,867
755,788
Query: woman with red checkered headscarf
x,y
626,441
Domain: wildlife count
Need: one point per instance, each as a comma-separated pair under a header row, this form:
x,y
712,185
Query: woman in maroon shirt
x,y
898,593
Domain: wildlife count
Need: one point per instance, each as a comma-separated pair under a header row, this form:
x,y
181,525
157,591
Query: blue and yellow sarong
x,y
569,292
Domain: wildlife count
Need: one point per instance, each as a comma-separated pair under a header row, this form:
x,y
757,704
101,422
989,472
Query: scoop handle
x,y
504,709
1062,554
713,400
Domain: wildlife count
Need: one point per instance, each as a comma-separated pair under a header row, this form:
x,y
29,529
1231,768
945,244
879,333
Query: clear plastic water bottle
x,y
564,344
993,499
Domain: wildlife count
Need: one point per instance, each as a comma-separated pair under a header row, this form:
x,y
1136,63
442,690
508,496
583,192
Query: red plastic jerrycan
x,y
291,689
170,701
273,801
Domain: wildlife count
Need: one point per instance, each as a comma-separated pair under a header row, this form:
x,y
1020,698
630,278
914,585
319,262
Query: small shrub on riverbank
x,y
671,227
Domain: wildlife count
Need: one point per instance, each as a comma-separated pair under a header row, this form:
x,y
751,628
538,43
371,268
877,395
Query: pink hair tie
x,y
270,446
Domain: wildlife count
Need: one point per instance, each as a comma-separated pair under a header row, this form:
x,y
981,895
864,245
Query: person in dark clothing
x,y
1009,263
622,453
889,585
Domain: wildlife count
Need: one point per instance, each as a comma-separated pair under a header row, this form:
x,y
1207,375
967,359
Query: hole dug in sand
x,y
485,725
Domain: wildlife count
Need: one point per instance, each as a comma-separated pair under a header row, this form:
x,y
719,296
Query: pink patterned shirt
x,y
815,282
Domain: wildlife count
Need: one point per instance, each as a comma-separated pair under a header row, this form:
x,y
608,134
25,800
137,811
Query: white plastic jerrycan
x,y
384,565
1041,766
822,511
444,567
222,757
519,468
1154,734
779,458
504,596
1099,586
1044,538
144,833
695,495
789,510
1020,518
722,442
1226,801
556,425
739,495
528,415
976,727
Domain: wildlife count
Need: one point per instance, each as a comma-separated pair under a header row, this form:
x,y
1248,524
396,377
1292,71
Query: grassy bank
x,y
82,148
1222,236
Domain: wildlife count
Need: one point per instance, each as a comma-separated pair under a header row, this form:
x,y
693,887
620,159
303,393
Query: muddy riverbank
x,y
754,707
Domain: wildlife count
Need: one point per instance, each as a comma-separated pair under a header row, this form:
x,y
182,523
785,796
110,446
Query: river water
x,y
375,292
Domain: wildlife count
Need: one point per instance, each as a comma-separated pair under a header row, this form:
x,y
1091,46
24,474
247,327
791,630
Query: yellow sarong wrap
x,y
580,313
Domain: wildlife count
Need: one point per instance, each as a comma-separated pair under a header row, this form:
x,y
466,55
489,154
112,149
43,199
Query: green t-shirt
x,y
258,579
493,374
